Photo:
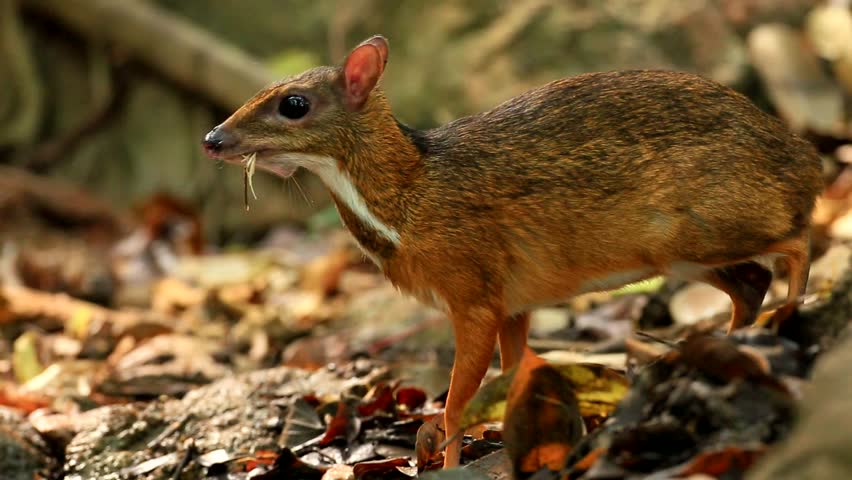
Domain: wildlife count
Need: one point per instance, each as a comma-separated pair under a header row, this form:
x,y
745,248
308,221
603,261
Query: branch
x,y
25,105
182,52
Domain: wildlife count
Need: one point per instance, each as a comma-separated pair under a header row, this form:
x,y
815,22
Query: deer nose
x,y
217,140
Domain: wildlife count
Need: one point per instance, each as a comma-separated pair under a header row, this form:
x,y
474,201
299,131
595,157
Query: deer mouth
x,y
264,159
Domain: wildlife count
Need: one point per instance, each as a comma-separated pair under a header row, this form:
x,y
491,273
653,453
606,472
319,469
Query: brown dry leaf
x,y
380,468
542,421
322,274
727,461
724,361
6,314
171,295
344,425
430,436
379,399
260,457
27,402
314,352
410,398
287,465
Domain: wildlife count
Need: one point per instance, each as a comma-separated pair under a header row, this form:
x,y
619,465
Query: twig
x,y
24,302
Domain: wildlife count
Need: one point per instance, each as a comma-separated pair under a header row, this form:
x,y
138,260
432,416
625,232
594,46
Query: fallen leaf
x,y
315,352
25,361
287,465
598,390
489,403
720,359
344,425
727,461
214,457
378,469
379,399
323,273
410,398
301,425
260,457
430,436
542,421
27,402
78,325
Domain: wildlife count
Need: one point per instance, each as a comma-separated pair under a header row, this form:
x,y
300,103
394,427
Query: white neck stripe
x,y
340,183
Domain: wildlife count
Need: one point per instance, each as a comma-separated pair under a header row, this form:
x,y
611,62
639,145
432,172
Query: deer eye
x,y
294,107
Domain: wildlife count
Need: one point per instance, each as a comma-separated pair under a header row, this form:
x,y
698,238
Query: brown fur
x,y
573,181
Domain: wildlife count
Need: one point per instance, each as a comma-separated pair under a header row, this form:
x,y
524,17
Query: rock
x,y
241,414
23,452
818,447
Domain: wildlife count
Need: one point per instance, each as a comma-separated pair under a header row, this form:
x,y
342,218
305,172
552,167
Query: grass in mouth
x,y
249,162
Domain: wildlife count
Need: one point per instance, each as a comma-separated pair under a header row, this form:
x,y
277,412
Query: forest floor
x,y
129,349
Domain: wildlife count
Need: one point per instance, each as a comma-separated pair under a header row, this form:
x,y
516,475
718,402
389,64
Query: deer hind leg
x,y
746,283
795,253
512,338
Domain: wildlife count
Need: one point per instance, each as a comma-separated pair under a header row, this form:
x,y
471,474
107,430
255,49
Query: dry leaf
x,y
725,462
430,436
598,390
542,421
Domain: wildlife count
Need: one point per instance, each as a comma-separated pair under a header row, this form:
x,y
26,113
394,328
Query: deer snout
x,y
218,140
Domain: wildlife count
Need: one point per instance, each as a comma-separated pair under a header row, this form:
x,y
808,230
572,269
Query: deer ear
x,y
362,70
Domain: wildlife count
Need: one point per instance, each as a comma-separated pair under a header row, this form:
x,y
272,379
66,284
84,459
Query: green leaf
x,y
25,359
598,390
649,285
489,403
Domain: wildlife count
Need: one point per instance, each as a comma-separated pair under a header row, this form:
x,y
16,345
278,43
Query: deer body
x,y
583,184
